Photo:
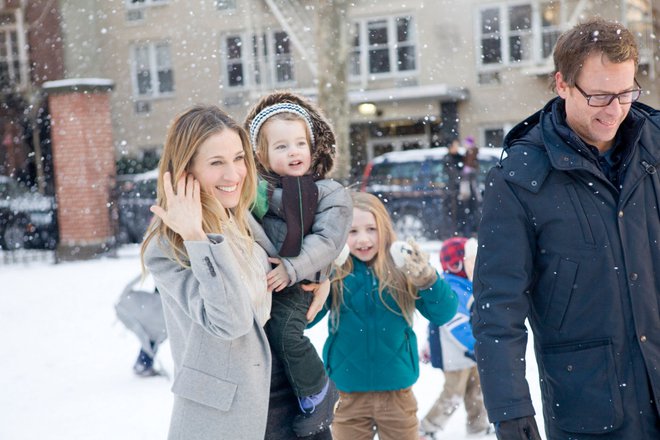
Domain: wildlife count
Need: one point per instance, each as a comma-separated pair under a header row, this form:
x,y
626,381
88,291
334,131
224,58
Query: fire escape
x,y
297,19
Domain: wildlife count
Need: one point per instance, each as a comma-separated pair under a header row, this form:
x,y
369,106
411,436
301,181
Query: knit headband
x,y
282,107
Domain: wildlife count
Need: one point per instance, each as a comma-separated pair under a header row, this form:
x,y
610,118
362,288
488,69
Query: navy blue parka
x,y
579,257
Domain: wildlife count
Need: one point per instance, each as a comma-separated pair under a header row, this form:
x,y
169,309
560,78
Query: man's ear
x,y
560,85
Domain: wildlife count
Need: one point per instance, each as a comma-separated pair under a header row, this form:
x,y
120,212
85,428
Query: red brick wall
x,y
45,41
84,159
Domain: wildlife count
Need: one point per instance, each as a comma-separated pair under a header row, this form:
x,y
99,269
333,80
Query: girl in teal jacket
x,y
371,350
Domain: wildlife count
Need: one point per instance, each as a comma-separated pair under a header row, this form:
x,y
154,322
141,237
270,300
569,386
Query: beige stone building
x,y
421,71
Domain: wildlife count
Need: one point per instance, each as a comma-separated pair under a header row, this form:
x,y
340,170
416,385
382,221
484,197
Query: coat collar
x,y
543,141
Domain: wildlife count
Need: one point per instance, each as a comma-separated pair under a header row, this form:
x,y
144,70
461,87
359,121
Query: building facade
x,y
421,72
31,53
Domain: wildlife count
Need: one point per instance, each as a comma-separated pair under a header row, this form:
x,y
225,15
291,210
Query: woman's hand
x,y
184,208
320,292
277,278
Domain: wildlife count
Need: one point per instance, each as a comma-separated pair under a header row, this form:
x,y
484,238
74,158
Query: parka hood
x,y
324,148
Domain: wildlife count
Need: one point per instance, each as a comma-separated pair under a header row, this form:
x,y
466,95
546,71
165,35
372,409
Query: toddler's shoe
x,y
318,411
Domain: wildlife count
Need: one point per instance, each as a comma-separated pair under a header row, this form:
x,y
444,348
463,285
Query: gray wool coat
x,y
221,355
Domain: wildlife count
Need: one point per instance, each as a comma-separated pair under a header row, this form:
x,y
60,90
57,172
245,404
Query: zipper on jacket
x,y
415,366
371,331
302,221
650,169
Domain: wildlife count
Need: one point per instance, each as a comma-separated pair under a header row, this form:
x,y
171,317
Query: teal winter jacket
x,y
374,349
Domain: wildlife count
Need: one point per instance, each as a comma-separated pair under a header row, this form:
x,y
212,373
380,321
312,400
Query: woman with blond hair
x,y
209,261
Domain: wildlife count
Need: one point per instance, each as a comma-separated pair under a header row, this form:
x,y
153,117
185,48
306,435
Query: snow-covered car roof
x,y
431,153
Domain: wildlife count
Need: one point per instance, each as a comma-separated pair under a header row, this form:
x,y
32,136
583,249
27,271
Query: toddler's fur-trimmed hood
x,y
324,149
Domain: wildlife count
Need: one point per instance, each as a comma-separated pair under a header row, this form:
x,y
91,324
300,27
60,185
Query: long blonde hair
x,y
187,133
391,280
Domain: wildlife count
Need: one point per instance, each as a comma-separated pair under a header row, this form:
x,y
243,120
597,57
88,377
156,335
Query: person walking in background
x,y
569,240
371,350
453,165
469,194
307,217
141,311
451,346
208,259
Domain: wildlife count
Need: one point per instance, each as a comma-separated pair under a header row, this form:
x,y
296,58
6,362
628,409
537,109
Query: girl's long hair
x,y
187,133
392,281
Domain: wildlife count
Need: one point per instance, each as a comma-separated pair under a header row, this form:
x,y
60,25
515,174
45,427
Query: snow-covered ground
x,y
66,359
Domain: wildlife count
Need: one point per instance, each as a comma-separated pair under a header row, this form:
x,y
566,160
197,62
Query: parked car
x,y
135,194
413,186
27,219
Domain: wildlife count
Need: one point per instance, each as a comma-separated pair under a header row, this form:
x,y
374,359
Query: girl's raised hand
x,y
184,208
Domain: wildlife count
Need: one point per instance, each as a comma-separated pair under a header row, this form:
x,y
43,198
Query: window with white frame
x,y
252,60
492,136
518,32
354,57
283,59
383,46
13,55
550,26
152,70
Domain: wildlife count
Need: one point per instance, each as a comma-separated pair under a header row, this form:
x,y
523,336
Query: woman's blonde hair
x,y
390,278
261,148
188,132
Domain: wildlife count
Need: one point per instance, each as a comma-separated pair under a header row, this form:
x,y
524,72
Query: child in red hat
x,y
452,346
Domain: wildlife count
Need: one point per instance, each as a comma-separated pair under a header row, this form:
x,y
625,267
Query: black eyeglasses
x,y
605,99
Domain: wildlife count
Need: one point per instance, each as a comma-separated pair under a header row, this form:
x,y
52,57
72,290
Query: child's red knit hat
x,y
452,254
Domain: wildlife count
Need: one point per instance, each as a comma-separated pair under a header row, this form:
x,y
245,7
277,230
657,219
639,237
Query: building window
x,y
355,59
550,27
491,48
152,70
234,61
283,58
518,33
225,5
258,59
493,136
385,46
13,56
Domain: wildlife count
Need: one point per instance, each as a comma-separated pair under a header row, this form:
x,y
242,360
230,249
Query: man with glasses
x,y
570,241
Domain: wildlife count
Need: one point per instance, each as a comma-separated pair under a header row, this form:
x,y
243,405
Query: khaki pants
x,y
461,385
391,414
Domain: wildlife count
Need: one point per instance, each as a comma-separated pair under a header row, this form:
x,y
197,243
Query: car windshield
x,y
438,174
395,173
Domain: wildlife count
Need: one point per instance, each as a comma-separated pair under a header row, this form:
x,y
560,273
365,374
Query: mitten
x,y
343,256
416,265
523,428
399,251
